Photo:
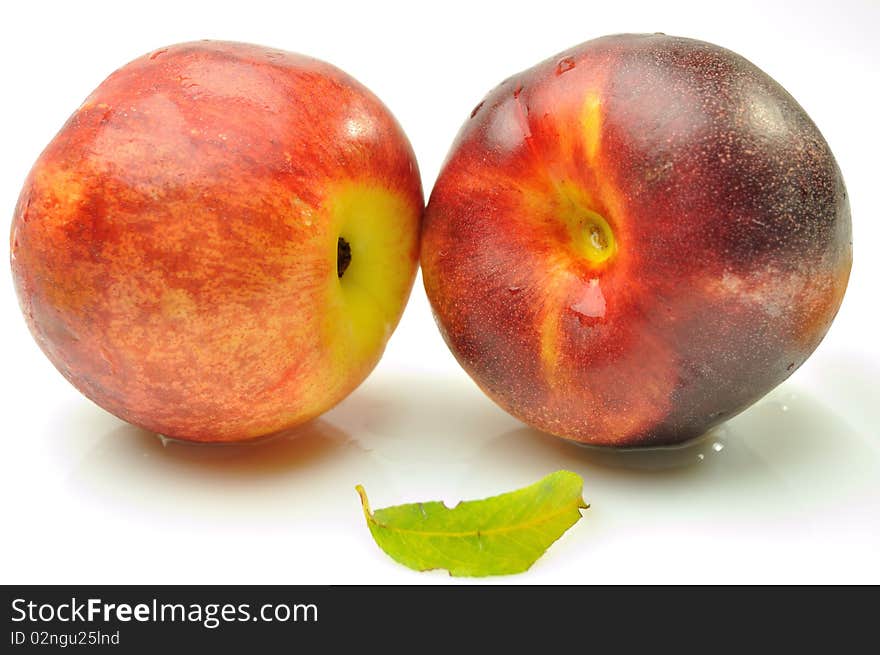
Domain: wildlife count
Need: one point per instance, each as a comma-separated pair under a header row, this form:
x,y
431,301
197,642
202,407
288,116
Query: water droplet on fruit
x,y
108,360
717,447
186,82
274,55
514,288
590,307
158,53
564,65
701,456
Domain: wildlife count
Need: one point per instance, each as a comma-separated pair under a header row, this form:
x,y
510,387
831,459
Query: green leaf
x,y
497,536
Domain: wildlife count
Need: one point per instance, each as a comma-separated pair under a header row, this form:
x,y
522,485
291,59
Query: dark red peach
x,y
635,240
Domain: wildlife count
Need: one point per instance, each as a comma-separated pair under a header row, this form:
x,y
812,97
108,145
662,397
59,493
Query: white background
x,y
787,492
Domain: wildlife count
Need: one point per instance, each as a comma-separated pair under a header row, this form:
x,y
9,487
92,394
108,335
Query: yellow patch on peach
x,y
366,302
591,124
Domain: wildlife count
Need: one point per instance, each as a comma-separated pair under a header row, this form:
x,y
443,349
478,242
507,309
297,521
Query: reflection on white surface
x,y
783,485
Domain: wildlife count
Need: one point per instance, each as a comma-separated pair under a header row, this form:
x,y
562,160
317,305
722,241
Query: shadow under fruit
x,y
635,240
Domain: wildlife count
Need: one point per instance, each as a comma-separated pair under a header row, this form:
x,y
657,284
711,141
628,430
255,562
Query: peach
x,y
219,242
635,240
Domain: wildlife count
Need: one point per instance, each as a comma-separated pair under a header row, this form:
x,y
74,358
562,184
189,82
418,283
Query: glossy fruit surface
x,y
635,240
219,242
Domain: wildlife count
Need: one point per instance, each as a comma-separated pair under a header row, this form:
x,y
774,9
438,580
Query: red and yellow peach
x,y
219,242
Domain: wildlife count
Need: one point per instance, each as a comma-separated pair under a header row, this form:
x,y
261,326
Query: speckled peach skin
x,y
727,255
174,248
